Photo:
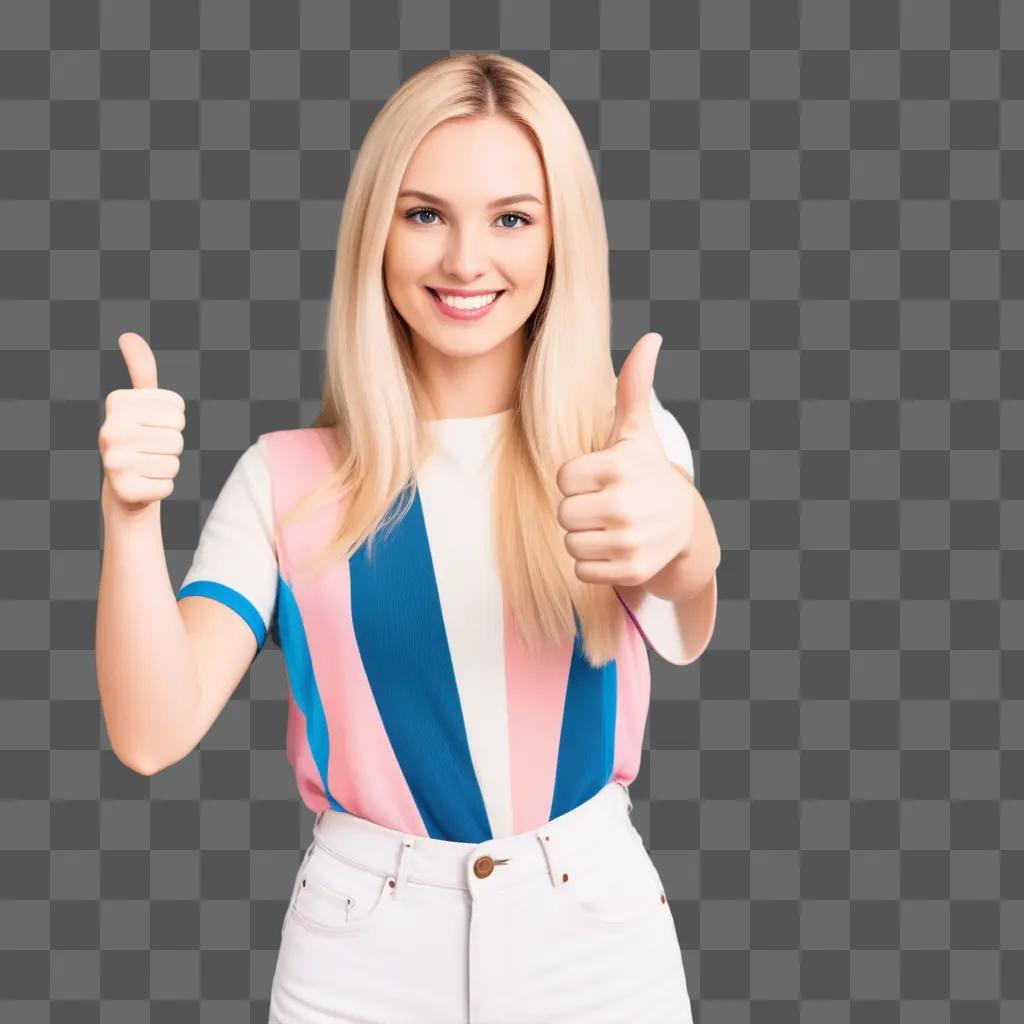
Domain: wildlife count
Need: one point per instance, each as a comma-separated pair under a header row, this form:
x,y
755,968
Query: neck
x,y
468,387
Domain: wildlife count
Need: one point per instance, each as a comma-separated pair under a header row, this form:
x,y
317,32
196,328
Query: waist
x,y
579,835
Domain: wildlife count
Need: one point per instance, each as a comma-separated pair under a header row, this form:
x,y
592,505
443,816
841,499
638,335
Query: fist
x,y
142,436
627,510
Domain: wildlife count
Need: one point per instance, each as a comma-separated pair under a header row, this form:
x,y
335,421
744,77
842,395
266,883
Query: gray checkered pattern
x,y
821,208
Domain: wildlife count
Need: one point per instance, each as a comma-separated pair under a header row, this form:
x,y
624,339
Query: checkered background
x,y
821,208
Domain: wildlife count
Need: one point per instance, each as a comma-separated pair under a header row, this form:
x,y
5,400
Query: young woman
x,y
461,561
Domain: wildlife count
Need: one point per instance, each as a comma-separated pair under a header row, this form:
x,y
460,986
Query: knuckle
x,y
618,508
560,514
616,467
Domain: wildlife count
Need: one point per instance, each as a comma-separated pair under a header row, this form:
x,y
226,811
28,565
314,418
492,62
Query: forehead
x,y
473,161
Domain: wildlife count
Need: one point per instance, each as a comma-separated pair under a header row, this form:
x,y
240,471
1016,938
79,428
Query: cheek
x,y
534,262
529,275
404,254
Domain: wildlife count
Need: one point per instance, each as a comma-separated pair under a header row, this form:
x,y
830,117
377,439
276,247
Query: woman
x,y
461,560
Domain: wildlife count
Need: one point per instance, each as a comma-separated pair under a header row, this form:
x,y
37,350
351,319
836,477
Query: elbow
x,y
138,765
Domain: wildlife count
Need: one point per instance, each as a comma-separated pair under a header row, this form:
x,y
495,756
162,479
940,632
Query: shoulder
x,y
296,459
285,445
297,437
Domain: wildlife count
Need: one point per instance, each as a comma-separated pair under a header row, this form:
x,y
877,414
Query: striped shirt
x,y
411,701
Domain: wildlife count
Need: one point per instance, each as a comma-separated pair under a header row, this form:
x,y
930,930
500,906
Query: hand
x,y
627,511
142,435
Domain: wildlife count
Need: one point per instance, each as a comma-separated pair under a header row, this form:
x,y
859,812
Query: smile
x,y
460,312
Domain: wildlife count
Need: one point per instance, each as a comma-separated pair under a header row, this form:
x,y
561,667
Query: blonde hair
x,y
564,403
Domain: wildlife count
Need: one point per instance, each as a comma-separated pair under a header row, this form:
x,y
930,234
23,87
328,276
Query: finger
x,y
610,571
597,545
158,408
595,510
633,390
139,358
590,472
159,439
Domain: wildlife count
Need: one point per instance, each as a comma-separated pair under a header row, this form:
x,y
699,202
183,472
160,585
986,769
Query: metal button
x,y
483,866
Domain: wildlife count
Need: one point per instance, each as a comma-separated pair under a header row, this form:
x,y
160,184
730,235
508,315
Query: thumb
x,y
633,390
139,358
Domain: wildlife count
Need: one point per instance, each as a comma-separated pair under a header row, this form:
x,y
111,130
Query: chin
x,y
470,347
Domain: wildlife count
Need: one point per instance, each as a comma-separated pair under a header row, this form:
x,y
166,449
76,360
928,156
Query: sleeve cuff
x,y
235,600
679,633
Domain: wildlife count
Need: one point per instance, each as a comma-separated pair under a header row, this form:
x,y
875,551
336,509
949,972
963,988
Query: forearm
x,y
144,665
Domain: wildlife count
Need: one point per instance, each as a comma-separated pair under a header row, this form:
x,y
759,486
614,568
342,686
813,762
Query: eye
x,y
415,213
521,216
430,210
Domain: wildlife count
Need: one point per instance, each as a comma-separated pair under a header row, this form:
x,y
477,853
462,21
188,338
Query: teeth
x,y
474,302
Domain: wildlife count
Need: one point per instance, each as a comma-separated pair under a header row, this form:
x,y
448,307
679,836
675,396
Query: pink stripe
x,y
363,773
536,686
301,759
633,694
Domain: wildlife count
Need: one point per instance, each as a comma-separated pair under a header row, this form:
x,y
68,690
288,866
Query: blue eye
x,y
415,213
429,209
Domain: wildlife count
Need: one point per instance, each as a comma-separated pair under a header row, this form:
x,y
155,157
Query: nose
x,y
466,256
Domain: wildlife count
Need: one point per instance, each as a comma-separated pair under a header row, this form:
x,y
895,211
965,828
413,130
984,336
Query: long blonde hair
x,y
564,402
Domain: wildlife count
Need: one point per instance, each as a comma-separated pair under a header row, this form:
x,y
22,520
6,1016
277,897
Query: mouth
x,y
462,314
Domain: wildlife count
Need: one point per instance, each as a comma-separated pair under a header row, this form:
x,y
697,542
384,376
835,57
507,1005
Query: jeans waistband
x,y
576,837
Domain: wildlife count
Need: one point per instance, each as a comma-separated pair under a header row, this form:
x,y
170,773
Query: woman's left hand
x,y
627,511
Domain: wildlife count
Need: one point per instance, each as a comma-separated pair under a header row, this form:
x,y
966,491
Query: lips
x,y
462,315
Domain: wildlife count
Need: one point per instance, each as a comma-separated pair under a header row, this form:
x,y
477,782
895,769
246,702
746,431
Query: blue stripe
x,y
586,747
400,632
302,681
236,601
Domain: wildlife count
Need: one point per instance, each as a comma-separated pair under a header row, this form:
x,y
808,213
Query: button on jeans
x,y
565,924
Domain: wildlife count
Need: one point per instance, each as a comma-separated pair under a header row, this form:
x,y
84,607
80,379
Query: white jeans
x,y
565,924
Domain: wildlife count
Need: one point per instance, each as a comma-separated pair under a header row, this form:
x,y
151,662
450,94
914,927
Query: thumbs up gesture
x,y
142,437
627,511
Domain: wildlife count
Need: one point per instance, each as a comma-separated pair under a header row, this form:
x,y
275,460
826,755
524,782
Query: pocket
x,y
620,886
333,896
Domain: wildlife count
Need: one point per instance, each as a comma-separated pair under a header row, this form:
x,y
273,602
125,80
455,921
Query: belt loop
x,y
404,863
625,793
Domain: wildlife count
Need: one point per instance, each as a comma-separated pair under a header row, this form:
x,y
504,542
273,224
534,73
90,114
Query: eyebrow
x,y
522,197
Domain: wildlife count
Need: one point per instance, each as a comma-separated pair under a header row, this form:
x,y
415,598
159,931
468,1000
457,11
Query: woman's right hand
x,y
142,435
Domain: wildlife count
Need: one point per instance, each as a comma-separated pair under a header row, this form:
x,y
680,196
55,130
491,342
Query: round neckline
x,y
482,420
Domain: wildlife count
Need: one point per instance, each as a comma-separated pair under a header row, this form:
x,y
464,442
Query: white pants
x,y
565,924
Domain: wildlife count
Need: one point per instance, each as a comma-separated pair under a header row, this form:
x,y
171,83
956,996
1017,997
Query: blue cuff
x,y
235,600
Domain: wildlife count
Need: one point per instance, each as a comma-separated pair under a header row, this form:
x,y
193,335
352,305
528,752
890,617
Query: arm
x,y
148,684
167,668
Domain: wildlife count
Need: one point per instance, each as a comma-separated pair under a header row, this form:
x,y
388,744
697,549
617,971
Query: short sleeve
x,y
679,634
236,559
673,437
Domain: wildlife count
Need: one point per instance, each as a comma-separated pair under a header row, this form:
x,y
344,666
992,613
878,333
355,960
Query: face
x,y
466,235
